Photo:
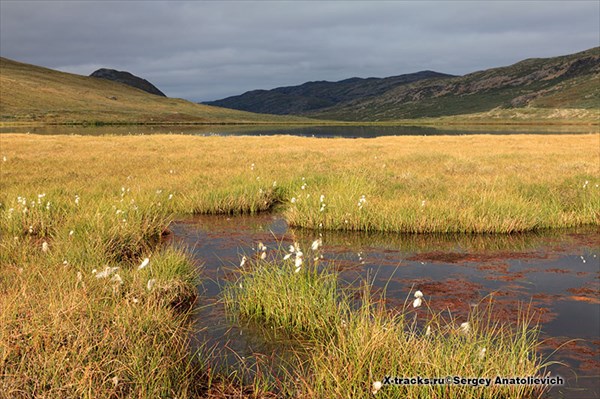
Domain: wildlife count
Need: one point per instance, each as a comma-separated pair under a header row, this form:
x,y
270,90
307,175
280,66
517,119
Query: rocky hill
x,y
128,79
565,82
314,96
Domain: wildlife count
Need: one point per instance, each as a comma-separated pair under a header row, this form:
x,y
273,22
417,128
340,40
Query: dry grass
x,y
412,184
66,333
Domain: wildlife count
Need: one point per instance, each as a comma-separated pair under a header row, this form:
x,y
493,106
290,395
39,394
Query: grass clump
x,y
297,298
376,343
81,319
350,341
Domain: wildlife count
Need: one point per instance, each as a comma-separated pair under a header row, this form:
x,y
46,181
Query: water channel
x,y
557,273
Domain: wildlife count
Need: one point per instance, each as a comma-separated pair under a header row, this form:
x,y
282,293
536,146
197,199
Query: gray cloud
x,y
209,50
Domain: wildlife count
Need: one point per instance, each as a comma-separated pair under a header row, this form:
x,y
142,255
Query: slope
x,y
30,93
566,82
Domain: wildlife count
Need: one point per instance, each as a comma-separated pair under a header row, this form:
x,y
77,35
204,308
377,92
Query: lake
x,y
348,131
557,273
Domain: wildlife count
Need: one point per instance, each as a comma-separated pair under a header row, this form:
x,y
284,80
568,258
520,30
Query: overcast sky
x,y
209,50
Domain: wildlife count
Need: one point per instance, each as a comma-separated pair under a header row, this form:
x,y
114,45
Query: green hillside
x,y
30,93
569,82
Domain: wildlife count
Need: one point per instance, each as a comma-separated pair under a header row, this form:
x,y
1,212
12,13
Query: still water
x,y
556,273
349,131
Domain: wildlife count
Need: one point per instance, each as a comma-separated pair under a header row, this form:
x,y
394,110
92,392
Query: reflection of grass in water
x,y
352,342
467,243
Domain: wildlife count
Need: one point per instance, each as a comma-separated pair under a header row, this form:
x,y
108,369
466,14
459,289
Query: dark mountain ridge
x,y
570,81
312,96
128,79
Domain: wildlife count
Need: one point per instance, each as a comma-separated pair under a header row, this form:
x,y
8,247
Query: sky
x,y
207,50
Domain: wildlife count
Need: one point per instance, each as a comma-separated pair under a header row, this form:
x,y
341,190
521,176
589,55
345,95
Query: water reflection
x,y
348,131
556,273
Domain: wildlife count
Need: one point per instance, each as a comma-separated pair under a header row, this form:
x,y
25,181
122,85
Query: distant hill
x,y
314,96
30,93
565,82
128,79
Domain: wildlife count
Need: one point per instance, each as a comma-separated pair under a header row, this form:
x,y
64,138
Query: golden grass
x,y
411,184
66,333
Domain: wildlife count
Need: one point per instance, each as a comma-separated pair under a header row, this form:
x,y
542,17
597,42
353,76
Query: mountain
x,y
565,82
128,79
313,96
30,93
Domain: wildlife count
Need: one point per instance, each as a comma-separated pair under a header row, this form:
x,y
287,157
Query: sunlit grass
x,y
76,323
79,215
475,184
295,297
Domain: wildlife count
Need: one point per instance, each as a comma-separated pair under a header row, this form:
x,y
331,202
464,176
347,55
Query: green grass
x,y
347,344
297,299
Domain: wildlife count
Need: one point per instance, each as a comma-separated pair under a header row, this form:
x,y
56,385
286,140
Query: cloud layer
x,y
210,50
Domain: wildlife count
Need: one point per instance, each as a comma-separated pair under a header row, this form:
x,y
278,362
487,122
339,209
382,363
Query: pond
x,y
557,273
348,131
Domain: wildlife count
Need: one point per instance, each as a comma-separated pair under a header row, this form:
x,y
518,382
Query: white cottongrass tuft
x,y
150,284
361,201
482,353
243,261
106,272
465,327
144,263
417,302
428,331
376,387
418,294
316,244
263,255
45,246
117,279
298,261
